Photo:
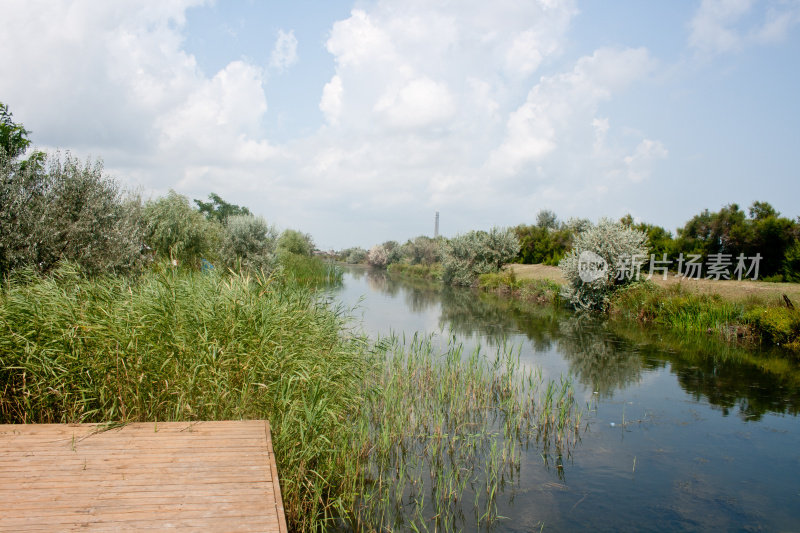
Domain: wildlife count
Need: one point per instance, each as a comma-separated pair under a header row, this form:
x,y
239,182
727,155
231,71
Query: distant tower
x,y
436,226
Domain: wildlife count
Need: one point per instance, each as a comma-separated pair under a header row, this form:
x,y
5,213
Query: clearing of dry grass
x,y
729,289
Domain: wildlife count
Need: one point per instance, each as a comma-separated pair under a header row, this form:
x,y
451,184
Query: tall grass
x,y
356,425
445,434
180,345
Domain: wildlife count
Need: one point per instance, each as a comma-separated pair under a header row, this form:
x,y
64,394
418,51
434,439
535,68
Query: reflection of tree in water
x,y
357,272
607,355
468,312
379,281
419,295
729,377
598,359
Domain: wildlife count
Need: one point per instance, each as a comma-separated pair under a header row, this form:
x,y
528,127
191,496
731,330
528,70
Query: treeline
x,y
726,235
457,261
730,231
56,209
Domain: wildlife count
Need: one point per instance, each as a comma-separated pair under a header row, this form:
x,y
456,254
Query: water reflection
x,y
608,356
748,382
704,450
600,360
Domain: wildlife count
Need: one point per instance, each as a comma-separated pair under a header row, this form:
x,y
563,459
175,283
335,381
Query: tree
x,y
421,250
13,137
547,219
731,232
295,242
762,210
67,211
218,209
467,256
542,245
177,231
248,242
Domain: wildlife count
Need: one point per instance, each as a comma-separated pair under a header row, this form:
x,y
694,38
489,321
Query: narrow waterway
x,y
682,433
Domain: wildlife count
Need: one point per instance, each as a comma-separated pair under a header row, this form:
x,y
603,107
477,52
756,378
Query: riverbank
x,y
749,311
738,311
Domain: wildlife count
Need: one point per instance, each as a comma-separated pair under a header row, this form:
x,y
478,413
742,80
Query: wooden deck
x,y
202,476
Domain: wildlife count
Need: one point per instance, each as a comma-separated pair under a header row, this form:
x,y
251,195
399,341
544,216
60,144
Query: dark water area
x,y
683,433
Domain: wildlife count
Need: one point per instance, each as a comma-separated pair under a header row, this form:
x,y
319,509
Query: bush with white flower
x,y
604,258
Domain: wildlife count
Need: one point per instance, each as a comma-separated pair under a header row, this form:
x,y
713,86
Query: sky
x,y
357,121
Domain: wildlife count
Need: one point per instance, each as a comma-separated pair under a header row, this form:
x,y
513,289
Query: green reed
x,y
367,435
445,433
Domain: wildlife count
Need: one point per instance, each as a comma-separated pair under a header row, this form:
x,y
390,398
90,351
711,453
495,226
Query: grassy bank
x,y
741,311
748,320
362,432
429,272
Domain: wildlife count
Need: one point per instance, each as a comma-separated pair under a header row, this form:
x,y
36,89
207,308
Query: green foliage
x,y
547,219
307,270
729,231
422,271
502,280
542,245
353,256
676,308
622,249
421,250
791,263
467,256
177,344
218,209
177,231
248,242
393,252
778,325
13,137
66,211
505,282
296,242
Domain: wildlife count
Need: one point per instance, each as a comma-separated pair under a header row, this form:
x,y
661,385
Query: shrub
x,y
378,256
63,210
778,325
421,250
295,242
354,255
467,256
248,242
791,263
604,258
174,230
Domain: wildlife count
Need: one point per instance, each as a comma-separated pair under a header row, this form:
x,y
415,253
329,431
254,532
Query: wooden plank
x,y
166,475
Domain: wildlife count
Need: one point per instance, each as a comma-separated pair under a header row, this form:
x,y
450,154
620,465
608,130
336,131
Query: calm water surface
x,y
684,433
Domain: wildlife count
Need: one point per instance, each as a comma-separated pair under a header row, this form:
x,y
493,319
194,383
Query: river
x,y
683,433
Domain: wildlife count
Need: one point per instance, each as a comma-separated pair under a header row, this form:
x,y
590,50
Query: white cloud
x,y
331,102
113,80
420,103
558,104
431,106
284,53
640,162
721,26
